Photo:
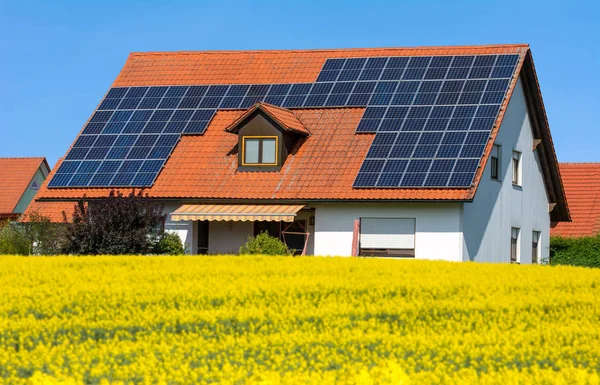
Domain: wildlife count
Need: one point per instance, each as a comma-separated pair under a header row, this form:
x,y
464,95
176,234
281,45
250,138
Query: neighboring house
x,y
582,186
20,180
436,153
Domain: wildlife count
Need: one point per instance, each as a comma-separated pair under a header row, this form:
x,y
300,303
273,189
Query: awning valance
x,y
277,213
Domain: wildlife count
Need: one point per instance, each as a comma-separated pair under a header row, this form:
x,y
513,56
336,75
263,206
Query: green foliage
x,y
114,225
264,244
46,238
169,244
575,251
14,239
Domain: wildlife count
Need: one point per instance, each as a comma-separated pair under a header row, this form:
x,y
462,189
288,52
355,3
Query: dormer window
x,y
267,134
259,150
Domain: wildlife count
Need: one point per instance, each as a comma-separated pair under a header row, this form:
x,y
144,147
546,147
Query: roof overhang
x,y
545,148
284,213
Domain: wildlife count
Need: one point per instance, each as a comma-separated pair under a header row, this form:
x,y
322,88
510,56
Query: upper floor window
x,y
516,168
495,162
259,150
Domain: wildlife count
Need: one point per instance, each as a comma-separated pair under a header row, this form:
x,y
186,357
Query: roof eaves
x,y
547,153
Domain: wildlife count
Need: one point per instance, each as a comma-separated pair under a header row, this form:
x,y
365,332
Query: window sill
x,y
496,180
517,186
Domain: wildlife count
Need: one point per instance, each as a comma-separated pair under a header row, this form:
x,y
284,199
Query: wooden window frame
x,y
260,151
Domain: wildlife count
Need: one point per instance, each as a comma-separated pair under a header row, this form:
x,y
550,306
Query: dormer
x,y
266,135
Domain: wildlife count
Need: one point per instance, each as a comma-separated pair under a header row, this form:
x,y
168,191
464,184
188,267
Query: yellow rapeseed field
x,y
272,320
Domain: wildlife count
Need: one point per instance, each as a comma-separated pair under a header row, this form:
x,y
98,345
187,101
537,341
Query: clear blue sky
x,y
59,58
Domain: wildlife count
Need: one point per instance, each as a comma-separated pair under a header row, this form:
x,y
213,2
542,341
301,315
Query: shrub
x,y
113,225
46,237
264,244
14,239
583,251
169,244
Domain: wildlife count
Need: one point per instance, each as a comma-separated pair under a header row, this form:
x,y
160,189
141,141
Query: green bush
x,y
14,239
46,237
575,251
169,244
264,244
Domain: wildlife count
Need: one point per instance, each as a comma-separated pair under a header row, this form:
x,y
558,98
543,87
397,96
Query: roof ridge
x,y
24,157
574,163
423,47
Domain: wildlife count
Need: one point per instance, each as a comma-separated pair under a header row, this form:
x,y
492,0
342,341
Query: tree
x,y
116,224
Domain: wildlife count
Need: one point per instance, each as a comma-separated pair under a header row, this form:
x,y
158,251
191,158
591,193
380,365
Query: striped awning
x,y
236,213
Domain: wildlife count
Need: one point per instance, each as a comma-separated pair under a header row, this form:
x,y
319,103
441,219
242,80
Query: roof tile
x,y
581,182
15,176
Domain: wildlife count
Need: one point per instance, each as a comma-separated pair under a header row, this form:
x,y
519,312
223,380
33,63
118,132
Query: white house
x,y
431,153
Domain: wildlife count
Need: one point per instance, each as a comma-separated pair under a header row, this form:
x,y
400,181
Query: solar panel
x,y
431,109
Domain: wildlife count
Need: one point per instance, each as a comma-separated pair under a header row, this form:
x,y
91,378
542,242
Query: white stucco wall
x,y
438,234
227,237
498,205
185,229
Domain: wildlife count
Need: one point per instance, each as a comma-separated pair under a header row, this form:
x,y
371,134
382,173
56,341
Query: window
x,y
516,168
387,237
259,151
495,162
535,249
514,244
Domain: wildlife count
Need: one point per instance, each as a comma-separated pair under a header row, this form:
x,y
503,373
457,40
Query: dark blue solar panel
x,y
89,166
109,166
151,166
68,167
196,91
444,108
80,180
60,180
101,180
143,179
118,153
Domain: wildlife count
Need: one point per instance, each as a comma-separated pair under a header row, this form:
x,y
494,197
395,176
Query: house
x,y
20,180
432,153
582,186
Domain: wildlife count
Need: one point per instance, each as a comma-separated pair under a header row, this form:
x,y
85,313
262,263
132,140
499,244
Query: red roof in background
x,y
323,168
286,118
582,186
15,176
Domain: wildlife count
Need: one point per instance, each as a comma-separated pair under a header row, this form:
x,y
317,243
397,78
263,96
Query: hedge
x,y
583,251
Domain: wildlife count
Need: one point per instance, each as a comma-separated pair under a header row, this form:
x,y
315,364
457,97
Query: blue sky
x,y
59,58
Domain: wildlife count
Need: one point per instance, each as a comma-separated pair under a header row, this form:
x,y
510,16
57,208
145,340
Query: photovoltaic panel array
x,y
431,115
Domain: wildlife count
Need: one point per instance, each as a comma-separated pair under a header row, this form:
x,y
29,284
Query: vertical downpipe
x,y
355,235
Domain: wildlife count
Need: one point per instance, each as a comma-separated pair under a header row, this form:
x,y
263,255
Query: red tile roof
x,y
55,211
325,166
582,186
286,118
257,67
204,167
15,176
